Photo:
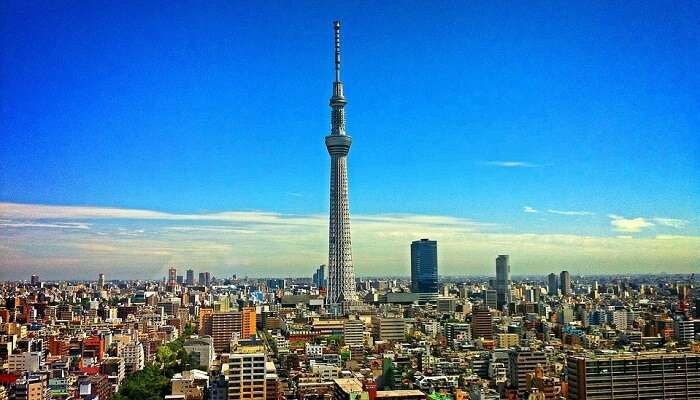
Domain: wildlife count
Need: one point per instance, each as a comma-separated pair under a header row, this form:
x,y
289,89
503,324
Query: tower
x,y
341,274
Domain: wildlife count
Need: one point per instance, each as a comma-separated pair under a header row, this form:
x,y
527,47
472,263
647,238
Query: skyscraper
x,y
100,281
565,282
341,274
552,284
424,266
189,280
502,281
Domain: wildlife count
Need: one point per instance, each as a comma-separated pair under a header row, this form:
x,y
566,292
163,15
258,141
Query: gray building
x,y
389,328
523,361
653,375
424,266
565,283
189,278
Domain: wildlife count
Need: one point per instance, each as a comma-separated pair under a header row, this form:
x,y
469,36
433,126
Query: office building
x,y
388,328
424,266
503,281
189,278
341,273
565,283
100,281
353,332
652,375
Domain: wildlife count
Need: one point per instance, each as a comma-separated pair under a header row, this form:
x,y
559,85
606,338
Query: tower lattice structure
x,y
341,273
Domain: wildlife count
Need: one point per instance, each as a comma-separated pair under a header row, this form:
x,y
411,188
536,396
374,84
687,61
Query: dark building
x,y
424,266
552,284
189,280
482,323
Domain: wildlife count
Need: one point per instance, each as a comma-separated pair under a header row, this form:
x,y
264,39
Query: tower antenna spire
x,y
336,25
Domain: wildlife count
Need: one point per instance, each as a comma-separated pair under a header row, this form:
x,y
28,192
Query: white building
x,y
313,350
134,357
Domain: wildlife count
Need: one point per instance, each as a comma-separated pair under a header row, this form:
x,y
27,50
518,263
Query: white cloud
x,y
142,243
671,222
55,225
572,213
511,164
622,224
529,209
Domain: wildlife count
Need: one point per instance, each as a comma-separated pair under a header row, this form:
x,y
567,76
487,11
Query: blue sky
x,y
586,113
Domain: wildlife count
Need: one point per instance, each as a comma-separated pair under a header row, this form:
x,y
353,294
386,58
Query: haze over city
x,y
135,138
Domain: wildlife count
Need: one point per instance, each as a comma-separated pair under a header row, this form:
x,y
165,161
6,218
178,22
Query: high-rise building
x,y
341,273
100,281
653,375
523,361
222,326
172,277
246,376
35,280
491,298
565,282
189,279
502,281
424,266
134,357
552,284
202,281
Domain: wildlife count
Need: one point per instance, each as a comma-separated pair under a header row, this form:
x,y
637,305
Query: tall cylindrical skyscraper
x,y
341,274
503,280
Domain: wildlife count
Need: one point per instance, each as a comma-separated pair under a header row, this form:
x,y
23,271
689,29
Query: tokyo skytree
x,y
341,274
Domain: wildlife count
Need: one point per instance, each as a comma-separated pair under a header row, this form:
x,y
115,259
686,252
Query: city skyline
x,y
505,148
